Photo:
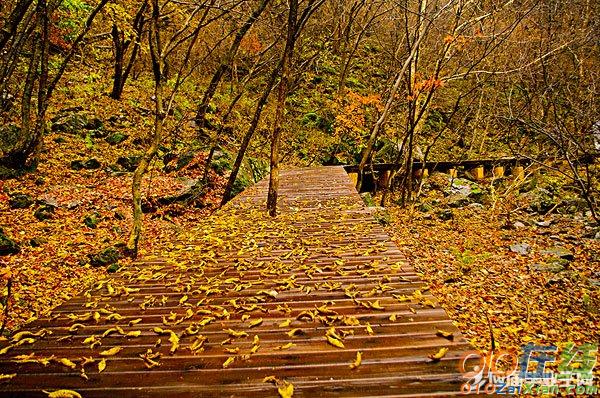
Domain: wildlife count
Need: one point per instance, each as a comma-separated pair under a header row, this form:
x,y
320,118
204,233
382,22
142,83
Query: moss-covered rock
x,y
7,245
105,257
116,138
44,212
20,201
92,220
129,163
90,164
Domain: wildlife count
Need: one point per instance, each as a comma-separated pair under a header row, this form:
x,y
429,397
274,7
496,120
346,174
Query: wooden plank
x,y
323,262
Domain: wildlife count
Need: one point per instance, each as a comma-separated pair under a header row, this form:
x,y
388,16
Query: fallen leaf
x,y
63,394
439,355
101,365
111,352
285,390
357,361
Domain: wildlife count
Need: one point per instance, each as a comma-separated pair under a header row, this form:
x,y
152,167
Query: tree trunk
x,y
15,18
159,116
121,46
218,75
386,111
119,43
280,110
249,134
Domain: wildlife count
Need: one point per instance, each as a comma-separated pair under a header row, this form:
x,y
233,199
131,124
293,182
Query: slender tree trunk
x,y
249,134
159,116
280,110
119,44
218,75
15,18
388,106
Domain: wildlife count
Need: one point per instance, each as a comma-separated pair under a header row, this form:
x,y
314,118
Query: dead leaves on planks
x,y
216,303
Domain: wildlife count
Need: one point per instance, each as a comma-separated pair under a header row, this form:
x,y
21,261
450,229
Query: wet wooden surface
x,y
247,297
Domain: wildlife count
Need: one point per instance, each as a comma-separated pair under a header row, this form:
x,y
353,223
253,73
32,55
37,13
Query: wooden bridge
x,y
318,301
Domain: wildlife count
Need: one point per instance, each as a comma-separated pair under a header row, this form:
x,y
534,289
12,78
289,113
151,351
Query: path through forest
x,y
317,301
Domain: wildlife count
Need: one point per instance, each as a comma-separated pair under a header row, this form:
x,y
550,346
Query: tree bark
x,y
15,18
249,134
159,116
280,110
218,75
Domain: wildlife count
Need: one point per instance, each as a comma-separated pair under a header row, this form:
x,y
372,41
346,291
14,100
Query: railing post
x,y
518,172
499,171
478,173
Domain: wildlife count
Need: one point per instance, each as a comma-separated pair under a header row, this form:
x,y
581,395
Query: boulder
x,y
44,212
94,124
92,220
20,201
90,164
185,159
113,268
129,163
559,252
7,245
458,200
105,257
37,241
555,266
520,248
445,215
70,123
539,200
116,138
425,207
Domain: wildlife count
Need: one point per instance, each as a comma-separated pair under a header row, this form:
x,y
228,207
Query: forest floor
x,y
82,211
520,276
504,271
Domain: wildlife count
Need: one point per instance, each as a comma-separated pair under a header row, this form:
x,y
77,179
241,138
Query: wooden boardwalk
x,y
243,297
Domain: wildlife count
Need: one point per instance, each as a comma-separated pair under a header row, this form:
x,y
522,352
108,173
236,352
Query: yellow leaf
x,y
286,390
444,334
285,323
234,333
7,376
270,379
5,349
256,322
75,327
68,363
101,365
111,352
27,340
440,354
334,342
357,361
370,329
135,321
294,332
286,346
183,299
114,316
228,362
174,340
63,394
